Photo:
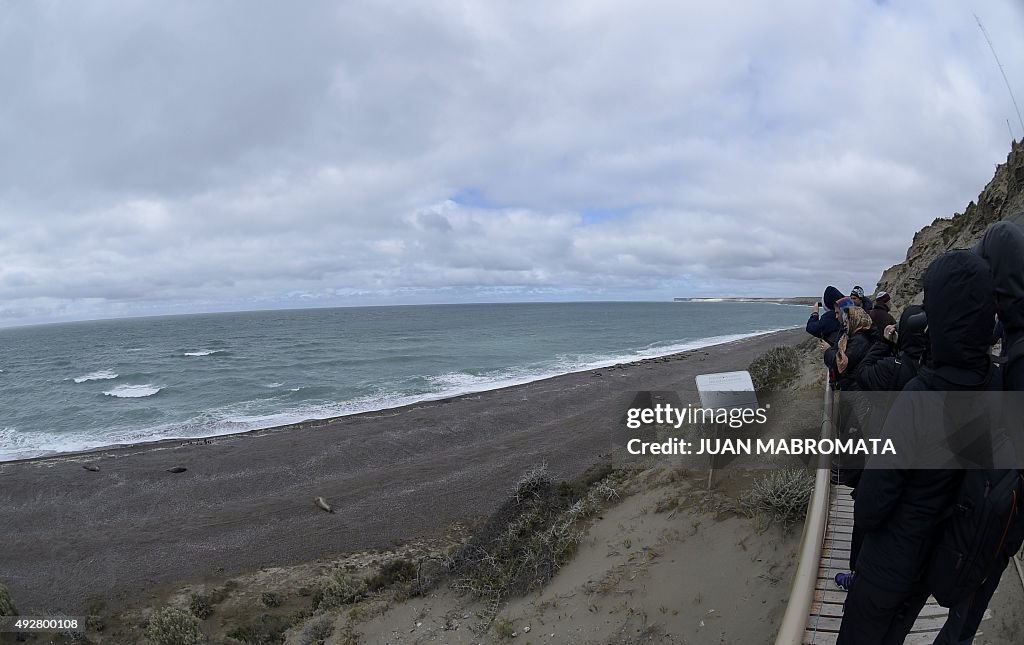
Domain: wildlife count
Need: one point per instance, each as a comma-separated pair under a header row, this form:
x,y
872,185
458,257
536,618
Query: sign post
x,y
726,390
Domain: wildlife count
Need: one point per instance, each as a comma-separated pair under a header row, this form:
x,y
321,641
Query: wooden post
x,y
711,459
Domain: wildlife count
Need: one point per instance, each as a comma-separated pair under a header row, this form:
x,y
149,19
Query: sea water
x,y
77,386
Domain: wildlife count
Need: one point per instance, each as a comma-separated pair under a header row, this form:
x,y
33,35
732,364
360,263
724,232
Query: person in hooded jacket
x,y
1002,247
880,316
887,367
825,325
899,505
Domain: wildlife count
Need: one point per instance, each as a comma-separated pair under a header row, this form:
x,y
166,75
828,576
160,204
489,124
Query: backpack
x,y
1015,539
973,538
1013,353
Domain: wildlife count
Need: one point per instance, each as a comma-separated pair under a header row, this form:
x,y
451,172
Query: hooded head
x,y
911,341
1002,247
961,312
831,296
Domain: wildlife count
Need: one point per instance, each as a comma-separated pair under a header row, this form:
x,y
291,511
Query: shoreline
x,y
246,501
72,455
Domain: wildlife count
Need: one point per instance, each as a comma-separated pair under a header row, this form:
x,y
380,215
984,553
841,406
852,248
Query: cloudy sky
x,y
207,156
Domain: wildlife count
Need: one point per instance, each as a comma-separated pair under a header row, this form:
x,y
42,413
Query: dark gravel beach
x,y
246,501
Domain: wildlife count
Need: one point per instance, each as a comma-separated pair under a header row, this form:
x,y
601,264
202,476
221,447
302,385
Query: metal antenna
x,y
1001,71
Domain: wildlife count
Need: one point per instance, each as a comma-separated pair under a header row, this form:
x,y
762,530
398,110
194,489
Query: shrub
x,y
774,368
199,605
269,629
503,628
317,631
270,599
173,626
395,571
780,496
220,594
95,623
528,539
6,602
338,589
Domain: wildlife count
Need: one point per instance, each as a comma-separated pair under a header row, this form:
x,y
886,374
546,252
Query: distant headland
x,y
800,300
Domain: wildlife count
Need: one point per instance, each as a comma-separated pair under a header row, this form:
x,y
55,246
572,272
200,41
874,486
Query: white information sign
x,y
726,390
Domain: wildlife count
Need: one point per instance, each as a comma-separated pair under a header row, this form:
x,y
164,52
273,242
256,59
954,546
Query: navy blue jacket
x,y
825,326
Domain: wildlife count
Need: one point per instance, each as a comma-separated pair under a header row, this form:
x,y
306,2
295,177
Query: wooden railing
x,y
801,597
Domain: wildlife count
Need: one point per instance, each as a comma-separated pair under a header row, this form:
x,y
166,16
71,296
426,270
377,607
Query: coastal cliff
x,y
1002,198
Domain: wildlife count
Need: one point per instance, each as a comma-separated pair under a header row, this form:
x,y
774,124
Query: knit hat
x,y
882,297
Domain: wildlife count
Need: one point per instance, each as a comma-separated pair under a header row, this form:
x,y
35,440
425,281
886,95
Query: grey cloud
x,y
215,155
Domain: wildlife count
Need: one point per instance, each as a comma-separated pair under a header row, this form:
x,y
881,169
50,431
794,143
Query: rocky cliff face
x,y
1003,198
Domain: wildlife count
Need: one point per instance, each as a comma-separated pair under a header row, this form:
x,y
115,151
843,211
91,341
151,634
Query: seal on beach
x,y
93,468
323,505
177,469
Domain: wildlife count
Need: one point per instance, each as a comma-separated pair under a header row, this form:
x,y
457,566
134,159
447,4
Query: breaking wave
x,y
133,391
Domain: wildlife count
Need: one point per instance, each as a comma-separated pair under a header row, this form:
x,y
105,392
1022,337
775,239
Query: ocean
x,y
78,386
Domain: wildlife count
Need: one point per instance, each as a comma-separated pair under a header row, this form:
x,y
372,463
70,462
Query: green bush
x,y
529,538
504,629
270,599
394,572
6,602
774,368
317,631
199,605
95,623
172,626
269,629
338,589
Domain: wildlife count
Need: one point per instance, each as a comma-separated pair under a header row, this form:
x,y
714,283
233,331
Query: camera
x,y
916,324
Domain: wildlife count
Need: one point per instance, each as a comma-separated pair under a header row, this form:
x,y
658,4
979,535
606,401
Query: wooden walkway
x,y
826,612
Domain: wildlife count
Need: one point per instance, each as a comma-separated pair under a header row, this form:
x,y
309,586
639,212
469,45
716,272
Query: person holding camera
x,y
825,325
890,365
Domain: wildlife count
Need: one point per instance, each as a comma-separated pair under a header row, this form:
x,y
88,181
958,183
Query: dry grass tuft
x,y
530,537
779,497
774,368
6,602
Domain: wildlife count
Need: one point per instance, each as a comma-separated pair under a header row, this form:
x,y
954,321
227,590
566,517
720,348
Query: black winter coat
x,y
887,368
880,317
857,349
899,507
